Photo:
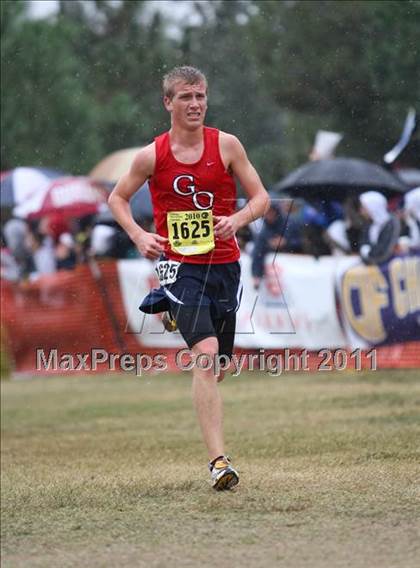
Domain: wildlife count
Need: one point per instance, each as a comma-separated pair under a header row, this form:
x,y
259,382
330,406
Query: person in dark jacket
x,y
383,231
318,214
281,231
344,236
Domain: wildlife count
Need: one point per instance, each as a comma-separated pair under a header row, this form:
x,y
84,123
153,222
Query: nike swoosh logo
x,y
210,163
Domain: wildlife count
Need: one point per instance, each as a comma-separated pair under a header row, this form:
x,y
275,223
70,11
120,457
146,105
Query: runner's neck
x,y
187,146
186,138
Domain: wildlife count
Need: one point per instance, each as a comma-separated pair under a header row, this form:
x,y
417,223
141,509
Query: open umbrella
x,y
141,203
410,176
335,178
111,168
114,165
20,184
68,197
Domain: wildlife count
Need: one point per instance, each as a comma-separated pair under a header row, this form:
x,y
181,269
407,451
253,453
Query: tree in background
x,y
87,82
126,55
80,85
239,102
350,66
49,116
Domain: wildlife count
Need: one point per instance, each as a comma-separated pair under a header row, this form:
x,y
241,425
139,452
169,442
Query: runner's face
x,y
188,105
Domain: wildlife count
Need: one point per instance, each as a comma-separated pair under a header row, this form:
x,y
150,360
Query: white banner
x,y
294,307
137,278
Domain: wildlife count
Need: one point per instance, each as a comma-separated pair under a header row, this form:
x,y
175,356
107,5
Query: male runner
x,y
191,171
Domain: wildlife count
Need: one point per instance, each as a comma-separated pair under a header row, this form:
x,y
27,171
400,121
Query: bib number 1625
x,y
190,232
191,229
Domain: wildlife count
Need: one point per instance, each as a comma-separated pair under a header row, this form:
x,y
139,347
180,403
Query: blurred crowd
x,y
366,225
34,248
359,223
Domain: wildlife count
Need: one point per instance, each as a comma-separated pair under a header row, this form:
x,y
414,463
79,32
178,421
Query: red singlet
x,y
204,185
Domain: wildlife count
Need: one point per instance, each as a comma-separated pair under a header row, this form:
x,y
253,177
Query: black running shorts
x,y
204,300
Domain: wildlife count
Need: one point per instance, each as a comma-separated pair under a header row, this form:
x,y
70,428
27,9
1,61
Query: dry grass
x,y
110,471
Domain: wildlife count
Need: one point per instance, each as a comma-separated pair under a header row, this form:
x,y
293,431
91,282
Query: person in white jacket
x,y
412,217
383,231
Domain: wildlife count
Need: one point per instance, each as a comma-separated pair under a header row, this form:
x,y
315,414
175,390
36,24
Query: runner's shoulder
x,y
144,161
229,139
230,146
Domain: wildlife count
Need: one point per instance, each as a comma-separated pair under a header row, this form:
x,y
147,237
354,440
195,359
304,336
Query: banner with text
x,y
303,304
296,304
380,305
294,307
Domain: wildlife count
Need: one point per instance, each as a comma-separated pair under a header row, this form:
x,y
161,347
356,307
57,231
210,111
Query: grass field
x,y
103,471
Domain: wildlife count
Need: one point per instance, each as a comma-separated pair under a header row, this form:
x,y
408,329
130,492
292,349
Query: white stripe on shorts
x,y
172,297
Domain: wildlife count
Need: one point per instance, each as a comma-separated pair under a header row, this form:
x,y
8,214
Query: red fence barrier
x,y
75,311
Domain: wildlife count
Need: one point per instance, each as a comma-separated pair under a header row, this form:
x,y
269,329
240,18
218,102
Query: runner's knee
x,y
205,355
208,346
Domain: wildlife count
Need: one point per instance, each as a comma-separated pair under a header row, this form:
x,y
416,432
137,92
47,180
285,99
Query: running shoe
x,y
223,475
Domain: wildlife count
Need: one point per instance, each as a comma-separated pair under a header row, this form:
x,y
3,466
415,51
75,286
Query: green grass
x,y
103,471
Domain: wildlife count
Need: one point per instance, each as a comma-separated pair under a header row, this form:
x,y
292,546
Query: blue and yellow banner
x,y
380,305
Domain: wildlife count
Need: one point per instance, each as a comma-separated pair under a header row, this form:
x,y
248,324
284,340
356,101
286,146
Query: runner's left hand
x,y
224,227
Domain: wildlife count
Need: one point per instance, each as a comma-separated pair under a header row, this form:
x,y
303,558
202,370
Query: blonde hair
x,y
185,73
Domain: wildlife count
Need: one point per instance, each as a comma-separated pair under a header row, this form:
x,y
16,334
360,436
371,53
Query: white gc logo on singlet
x,y
206,197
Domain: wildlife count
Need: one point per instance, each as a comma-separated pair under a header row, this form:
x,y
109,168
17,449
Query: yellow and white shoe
x,y
223,475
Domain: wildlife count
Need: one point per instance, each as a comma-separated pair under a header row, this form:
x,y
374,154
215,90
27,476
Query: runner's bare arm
x,y
235,158
150,245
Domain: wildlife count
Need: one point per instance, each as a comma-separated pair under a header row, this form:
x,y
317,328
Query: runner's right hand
x,y
150,245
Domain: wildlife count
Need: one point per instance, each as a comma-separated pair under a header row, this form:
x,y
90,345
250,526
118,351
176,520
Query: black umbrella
x,y
335,178
410,176
141,203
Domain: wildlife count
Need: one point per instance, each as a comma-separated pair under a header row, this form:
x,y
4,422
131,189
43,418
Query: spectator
x,y
318,214
102,240
337,239
244,237
412,217
344,236
9,267
15,233
280,232
383,230
54,226
122,246
82,236
43,256
65,253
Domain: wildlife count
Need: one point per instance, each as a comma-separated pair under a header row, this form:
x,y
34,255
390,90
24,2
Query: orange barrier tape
x,y
75,311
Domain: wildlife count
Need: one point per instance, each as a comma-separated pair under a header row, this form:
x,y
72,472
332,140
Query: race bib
x,y
167,271
191,232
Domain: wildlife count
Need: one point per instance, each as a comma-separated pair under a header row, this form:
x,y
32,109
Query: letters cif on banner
x,y
381,304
